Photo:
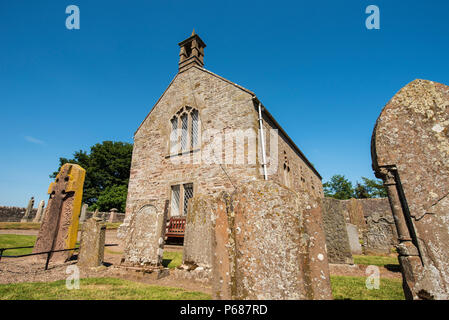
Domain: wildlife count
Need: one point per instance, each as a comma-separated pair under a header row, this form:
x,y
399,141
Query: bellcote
x,y
192,52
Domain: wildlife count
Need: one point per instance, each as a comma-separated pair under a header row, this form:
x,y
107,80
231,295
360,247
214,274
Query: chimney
x,y
192,52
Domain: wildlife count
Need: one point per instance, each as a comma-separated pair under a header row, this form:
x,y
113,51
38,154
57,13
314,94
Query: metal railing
x,y
48,253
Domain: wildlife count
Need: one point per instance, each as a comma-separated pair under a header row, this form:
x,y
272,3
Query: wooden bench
x,y
176,227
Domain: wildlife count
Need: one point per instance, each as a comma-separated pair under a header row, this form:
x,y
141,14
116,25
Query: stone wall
x,y
374,221
380,235
119,217
14,214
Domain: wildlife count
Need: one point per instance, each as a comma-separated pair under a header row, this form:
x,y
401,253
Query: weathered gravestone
x,y
26,216
410,152
83,212
337,240
144,240
40,211
113,215
92,243
59,227
354,241
263,245
198,232
380,235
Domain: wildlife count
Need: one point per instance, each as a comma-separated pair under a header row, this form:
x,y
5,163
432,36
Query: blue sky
x,y
313,64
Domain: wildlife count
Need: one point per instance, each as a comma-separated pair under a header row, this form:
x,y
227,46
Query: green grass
x,y
172,259
354,288
19,226
96,289
380,261
16,240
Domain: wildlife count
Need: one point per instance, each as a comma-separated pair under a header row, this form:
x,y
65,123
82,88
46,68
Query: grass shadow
x,y
166,262
393,267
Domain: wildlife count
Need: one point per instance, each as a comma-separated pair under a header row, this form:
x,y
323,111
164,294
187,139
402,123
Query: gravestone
x,y
26,217
59,226
354,241
198,232
337,240
144,240
113,215
40,212
83,212
123,228
92,243
410,152
380,235
263,247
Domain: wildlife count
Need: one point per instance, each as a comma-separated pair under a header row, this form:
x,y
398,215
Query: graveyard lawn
x,y
354,288
381,261
16,240
96,289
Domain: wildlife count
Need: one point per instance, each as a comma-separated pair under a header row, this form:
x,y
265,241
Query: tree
x,y
112,197
374,188
107,165
361,192
338,187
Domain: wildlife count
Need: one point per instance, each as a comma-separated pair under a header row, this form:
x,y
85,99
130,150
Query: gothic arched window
x,y
185,130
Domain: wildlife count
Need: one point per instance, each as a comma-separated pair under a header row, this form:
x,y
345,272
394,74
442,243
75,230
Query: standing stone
x,y
198,232
354,240
83,212
144,241
92,243
337,240
263,247
59,228
123,228
40,211
410,152
26,217
113,215
380,235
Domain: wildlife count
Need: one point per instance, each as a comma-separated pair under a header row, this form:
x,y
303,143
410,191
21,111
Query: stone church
x,y
196,114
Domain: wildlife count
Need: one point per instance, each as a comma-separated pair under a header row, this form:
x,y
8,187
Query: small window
x,y
178,192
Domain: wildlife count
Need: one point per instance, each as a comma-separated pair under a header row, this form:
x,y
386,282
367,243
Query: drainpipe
x,y
262,141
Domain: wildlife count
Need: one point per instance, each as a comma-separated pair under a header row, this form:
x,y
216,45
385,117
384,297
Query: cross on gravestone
x,y
60,225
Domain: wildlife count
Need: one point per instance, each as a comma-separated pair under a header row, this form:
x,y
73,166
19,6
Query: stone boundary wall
x,y
373,218
119,217
14,214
